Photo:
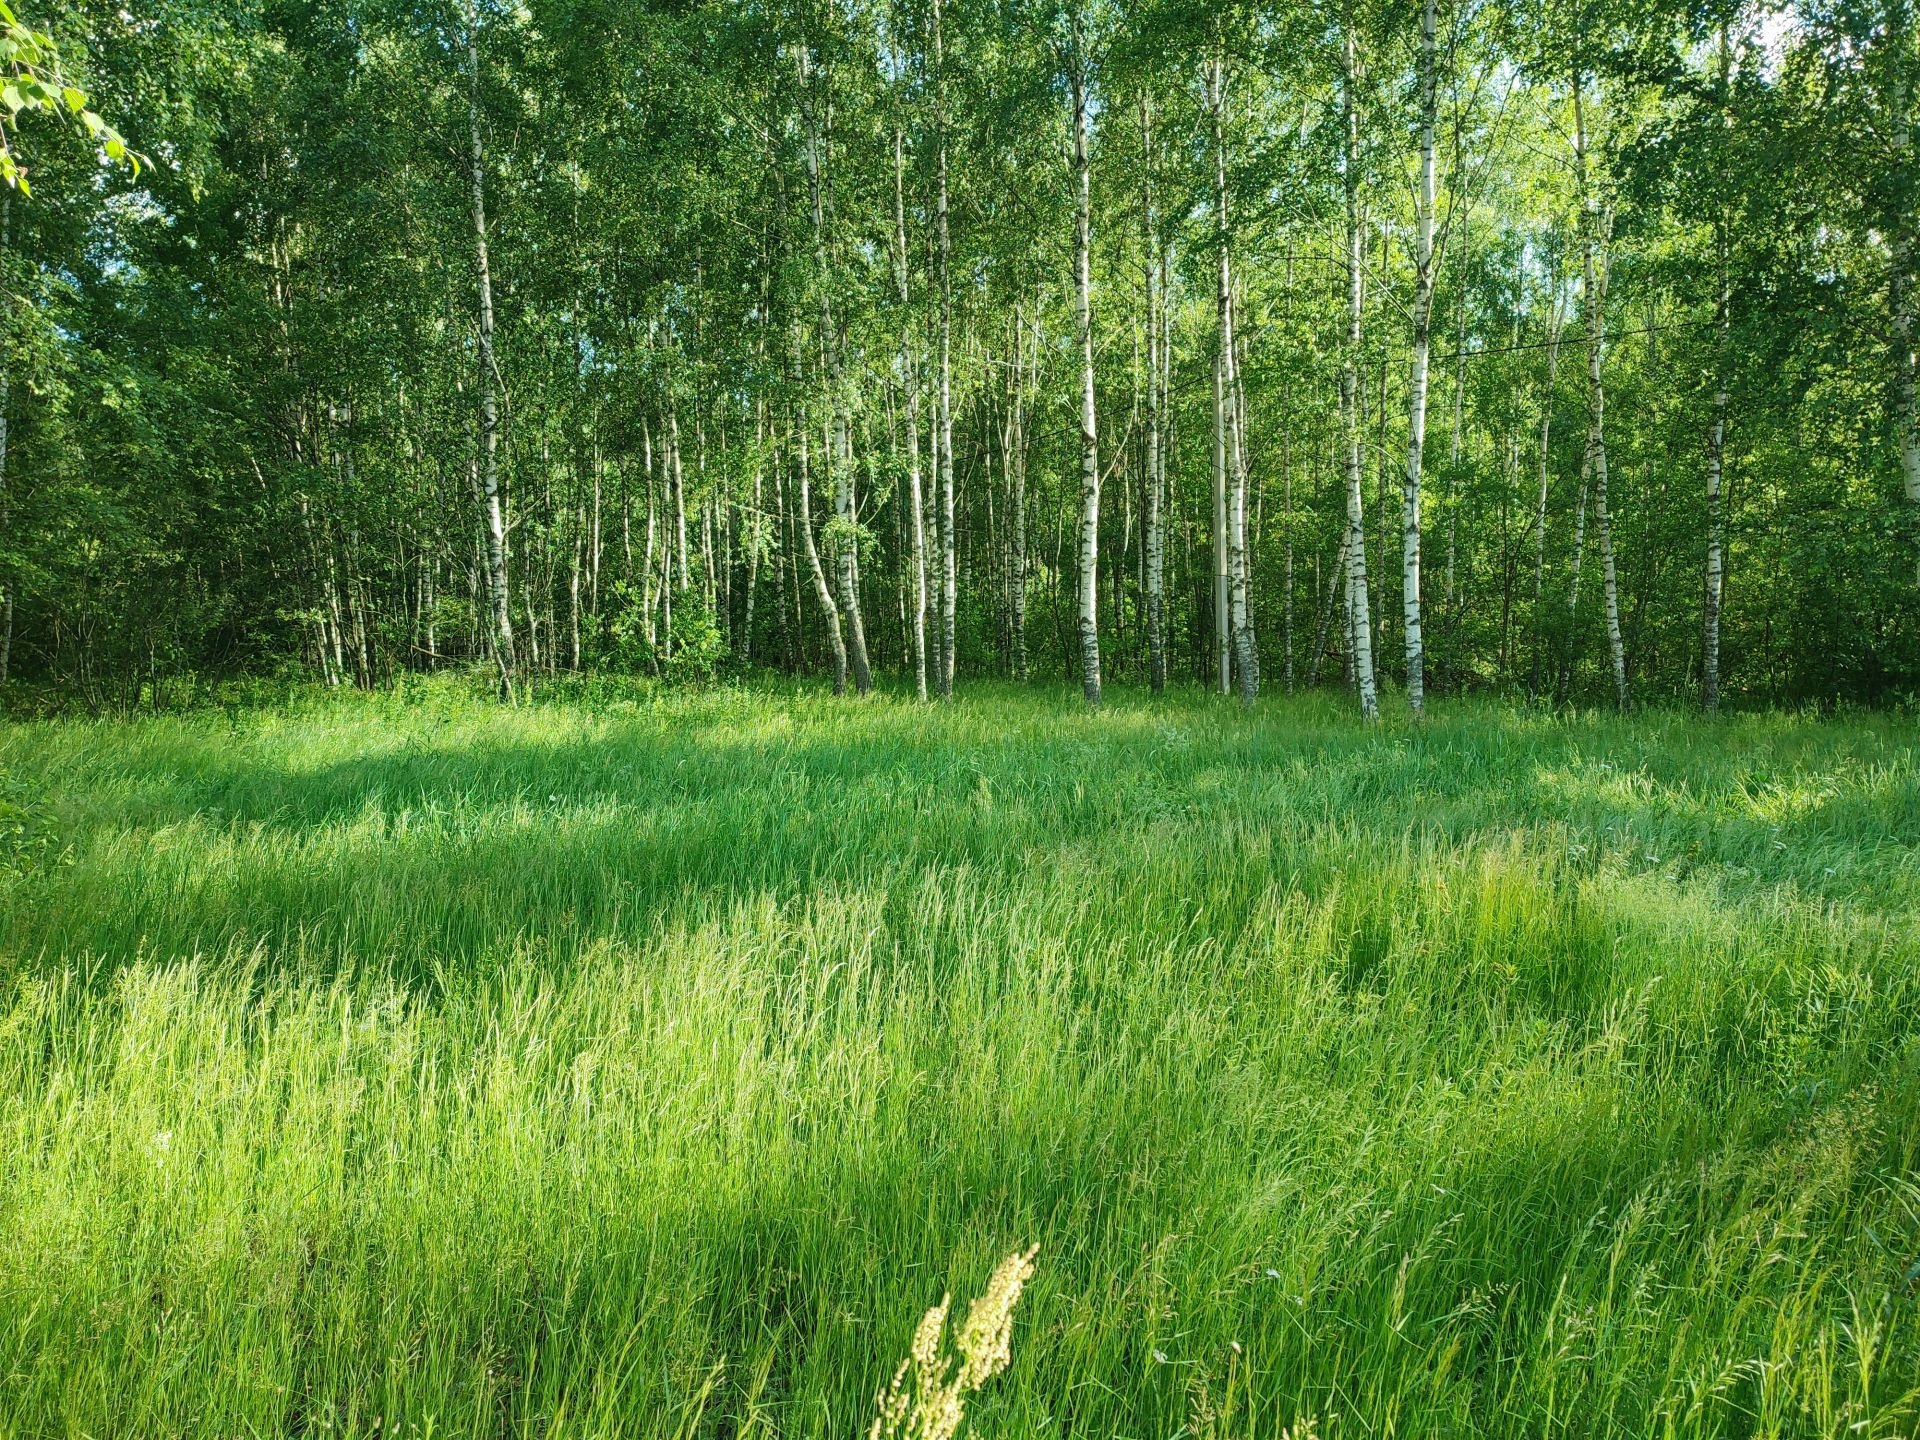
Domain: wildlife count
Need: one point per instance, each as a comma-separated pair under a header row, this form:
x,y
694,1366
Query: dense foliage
x,y
640,279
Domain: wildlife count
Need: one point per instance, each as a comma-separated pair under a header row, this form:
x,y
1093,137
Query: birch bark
x,y
1083,323
1360,620
1596,228
1417,386
492,512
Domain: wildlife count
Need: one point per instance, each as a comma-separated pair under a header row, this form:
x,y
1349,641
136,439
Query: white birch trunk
x,y
492,513
676,479
1595,229
837,450
1229,473
1154,538
1555,315
1417,385
1083,324
1360,621
836,640
949,561
910,378
1715,579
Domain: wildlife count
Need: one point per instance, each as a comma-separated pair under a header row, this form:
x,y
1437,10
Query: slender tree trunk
x,y
594,547
836,453
910,378
943,421
1222,559
1715,579
649,602
829,610
1554,317
1230,475
1083,323
1356,547
492,513
1155,522
1424,274
575,573
1459,435
1567,655
1017,526
1594,264
755,536
676,486
1901,289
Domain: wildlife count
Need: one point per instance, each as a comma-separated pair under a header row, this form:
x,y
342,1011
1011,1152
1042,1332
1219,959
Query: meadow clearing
x,y
645,1063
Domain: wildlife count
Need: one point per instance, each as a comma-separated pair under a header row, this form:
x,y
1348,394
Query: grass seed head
x,y
927,1399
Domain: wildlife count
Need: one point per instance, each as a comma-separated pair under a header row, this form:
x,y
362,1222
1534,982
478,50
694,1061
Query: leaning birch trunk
x,y
1417,385
1594,264
949,561
1155,542
910,377
1356,556
1089,445
837,450
836,641
491,512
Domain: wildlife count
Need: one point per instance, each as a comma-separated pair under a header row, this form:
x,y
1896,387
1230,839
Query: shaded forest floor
x,y
646,1065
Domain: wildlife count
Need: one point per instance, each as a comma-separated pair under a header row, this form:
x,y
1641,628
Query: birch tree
x,y
1155,498
1355,548
1595,235
1089,612
1424,269
492,514
837,454
1230,476
910,380
943,420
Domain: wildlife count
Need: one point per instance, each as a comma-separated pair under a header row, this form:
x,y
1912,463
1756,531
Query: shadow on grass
x,y
443,841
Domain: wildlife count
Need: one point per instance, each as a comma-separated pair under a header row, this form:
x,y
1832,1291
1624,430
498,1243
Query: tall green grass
x,y
647,1064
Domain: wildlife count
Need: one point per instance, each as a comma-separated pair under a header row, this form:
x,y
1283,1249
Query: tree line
x,y
1558,348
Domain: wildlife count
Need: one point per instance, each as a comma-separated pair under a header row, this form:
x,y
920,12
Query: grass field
x,y
646,1065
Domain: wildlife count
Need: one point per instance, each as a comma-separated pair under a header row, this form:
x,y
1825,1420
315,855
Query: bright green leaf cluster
x,y
35,83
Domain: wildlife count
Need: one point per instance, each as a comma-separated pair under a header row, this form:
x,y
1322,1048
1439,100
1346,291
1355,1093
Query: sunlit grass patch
x,y
647,1063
